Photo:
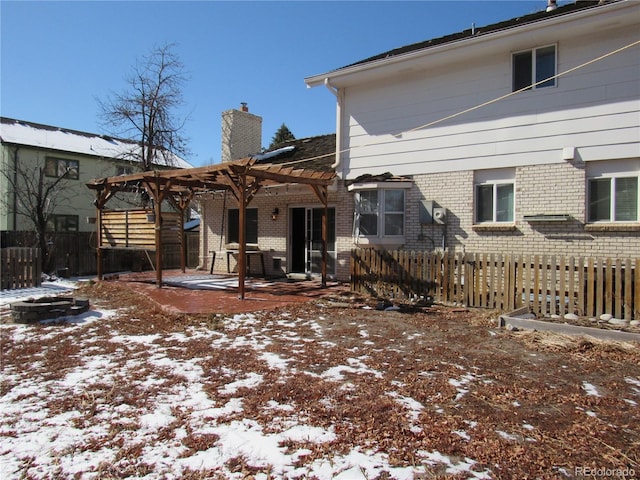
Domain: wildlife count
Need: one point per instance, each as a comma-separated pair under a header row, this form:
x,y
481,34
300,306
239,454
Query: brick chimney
x,y
241,133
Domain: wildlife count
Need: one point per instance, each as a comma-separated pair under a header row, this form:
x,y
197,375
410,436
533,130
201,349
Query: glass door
x,y
306,241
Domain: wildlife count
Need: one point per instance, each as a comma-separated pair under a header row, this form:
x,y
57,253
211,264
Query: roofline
x,y
43,126
53,128
366,66
60,151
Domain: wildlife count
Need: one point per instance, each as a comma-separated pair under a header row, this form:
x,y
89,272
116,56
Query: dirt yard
x,y
436,393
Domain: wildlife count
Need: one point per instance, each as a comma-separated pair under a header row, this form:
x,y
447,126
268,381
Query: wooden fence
x,y
74,253
546,284
20,268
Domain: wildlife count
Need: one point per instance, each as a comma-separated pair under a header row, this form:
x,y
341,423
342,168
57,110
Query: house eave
x,y
607,15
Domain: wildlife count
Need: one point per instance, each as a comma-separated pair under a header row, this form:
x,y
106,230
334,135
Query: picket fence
x,y
547,285
20,268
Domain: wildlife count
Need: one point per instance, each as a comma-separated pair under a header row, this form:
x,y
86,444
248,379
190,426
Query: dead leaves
x,y
432,381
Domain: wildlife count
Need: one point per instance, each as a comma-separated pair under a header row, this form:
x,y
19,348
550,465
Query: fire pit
x,y
35,310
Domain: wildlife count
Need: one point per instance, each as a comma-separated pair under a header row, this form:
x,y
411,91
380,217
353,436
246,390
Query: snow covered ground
x,y
43,439
123,391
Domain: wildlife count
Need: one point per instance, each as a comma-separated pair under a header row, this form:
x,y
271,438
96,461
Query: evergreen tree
x,y
282,135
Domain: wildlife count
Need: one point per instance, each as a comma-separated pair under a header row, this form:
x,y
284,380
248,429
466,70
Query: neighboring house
x,y
519,137
80,156
283,222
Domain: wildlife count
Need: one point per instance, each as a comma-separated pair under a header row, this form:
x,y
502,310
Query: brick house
x,y
283,222
518,137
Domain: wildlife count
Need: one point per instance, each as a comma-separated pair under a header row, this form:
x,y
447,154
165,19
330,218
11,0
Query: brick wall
x,y
540,189
544,189
273,234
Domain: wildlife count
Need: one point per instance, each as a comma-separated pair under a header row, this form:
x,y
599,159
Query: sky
x,y
60,58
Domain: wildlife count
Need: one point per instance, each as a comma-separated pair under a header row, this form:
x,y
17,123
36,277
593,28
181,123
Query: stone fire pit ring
x,y
46,308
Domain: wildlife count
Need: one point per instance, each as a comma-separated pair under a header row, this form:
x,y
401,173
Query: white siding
x,y
595,109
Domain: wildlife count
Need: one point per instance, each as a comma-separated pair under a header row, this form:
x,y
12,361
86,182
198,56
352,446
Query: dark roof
x,y
314,153
380,177
514,22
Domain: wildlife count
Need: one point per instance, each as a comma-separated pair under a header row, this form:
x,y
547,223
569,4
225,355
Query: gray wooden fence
x,y
546,284
20,268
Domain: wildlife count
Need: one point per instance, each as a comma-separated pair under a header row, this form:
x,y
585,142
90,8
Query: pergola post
x,y
242,236
158,231
158,191
99,242
181,203
102,197
325,220
322,194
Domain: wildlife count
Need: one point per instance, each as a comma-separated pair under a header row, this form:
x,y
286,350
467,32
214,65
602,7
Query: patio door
x,y
305,240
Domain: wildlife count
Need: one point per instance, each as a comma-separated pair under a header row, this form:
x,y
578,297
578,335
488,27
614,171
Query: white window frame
x,y
612,178
611,169
62,167
124,170
496,179
381,237
534,67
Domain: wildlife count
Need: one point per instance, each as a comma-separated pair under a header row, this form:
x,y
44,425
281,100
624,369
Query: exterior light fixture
x,y
275,213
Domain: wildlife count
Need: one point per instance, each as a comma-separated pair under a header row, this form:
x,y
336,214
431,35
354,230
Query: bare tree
x,y
146,110
36,192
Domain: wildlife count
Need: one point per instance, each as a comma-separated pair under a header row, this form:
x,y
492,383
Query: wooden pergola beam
x,y
181,202
244,178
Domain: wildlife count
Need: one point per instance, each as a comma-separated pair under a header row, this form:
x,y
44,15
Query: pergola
x,y
243,178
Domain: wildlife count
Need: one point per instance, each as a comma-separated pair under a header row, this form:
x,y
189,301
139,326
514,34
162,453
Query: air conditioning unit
x,y
440,215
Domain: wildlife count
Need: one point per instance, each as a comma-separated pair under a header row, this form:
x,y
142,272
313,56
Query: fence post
x,y
636,302
599,287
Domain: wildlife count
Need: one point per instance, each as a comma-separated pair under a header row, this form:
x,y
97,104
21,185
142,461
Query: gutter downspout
x,y
15,189
339,99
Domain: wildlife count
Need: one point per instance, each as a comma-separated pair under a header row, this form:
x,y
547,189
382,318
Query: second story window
x,y
61,167
123,170
533,66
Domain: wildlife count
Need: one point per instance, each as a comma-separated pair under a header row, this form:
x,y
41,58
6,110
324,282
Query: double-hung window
x,y
380,212
494,196
613,199
61,167
533,69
